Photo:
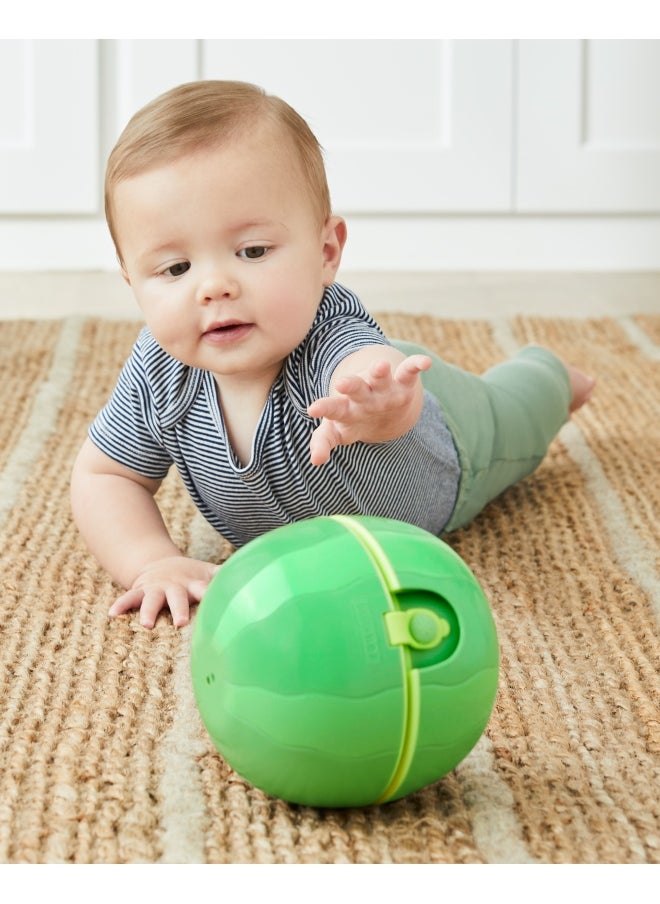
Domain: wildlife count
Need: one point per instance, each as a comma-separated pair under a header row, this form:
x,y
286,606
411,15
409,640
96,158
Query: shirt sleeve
x,y
127,428
342,326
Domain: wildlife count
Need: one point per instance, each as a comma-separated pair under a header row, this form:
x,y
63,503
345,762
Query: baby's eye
x,y
253,253
178,269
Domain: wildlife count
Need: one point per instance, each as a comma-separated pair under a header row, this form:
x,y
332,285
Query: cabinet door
x,y
407,126
49,153
588,126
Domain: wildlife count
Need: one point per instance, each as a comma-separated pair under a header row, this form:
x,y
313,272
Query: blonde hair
x,y
201,114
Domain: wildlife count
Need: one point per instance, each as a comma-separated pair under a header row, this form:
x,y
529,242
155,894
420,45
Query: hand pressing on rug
x,y
117,515
174,582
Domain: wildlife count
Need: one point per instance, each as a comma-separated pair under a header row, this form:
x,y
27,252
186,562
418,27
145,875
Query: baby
x,y
265,382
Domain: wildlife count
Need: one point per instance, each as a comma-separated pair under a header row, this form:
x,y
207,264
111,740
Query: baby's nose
x,y
217,284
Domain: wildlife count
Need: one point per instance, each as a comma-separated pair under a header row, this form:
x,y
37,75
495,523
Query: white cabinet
x,y
588,126
49,134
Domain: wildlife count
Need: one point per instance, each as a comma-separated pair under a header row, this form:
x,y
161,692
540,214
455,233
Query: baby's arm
x,y
375,396
117,515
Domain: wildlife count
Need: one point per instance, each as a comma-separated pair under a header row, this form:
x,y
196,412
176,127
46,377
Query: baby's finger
x,y
152,603
132,599
354,388
323,440
380,370
319,449
177,600
333,407
410,368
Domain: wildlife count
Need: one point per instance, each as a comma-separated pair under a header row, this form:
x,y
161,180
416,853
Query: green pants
x,y
502,422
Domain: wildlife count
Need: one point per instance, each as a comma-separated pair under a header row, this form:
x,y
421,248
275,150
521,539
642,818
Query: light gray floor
x,y
446,295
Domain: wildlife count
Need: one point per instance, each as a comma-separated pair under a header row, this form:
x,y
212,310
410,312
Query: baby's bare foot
x,y
582,388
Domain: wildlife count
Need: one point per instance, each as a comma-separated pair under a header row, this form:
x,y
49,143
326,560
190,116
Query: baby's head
x,y
217,201
207,113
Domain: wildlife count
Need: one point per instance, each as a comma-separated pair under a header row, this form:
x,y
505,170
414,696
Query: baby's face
x,y
225,255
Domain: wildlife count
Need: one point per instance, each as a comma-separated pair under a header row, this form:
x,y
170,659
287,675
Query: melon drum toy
x,y
344,661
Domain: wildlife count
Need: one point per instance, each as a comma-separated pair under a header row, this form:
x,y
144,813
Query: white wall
x,y
443,155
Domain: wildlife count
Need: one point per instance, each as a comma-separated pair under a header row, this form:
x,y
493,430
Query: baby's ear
x,y
334,239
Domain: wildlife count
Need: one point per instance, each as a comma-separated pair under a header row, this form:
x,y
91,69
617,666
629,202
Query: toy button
x,y
420,629
423,628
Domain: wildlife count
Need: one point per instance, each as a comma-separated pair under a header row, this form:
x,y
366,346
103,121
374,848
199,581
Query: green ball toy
x,y
344,661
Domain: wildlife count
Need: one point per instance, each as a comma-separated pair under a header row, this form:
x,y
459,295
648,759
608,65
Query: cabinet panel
x,y
147,68
588,126
407,126
622,94
49,146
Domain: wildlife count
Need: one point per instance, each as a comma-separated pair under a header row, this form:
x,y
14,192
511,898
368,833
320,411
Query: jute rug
x,y
103,758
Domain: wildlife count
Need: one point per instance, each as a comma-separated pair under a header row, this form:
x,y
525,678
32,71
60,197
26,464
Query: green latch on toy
x,y
417,628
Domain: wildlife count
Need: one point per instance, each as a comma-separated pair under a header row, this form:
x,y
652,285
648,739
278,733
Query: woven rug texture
x,y
103,757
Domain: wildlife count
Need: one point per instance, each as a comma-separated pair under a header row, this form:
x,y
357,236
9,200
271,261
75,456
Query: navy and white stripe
x,y
163,412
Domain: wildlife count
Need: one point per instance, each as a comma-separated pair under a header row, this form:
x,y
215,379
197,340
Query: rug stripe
x,y
184,814
628,549
43,417
639,338
184,810
491,806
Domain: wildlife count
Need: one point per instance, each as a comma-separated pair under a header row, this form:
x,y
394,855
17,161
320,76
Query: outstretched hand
x,y
374,406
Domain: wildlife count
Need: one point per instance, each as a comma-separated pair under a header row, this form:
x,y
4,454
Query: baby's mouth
x,y
227,331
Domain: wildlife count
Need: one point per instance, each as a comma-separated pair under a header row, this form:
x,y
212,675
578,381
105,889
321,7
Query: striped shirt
x,y
163,412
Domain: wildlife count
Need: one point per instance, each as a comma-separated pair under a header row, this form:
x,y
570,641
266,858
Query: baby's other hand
x,y
175,582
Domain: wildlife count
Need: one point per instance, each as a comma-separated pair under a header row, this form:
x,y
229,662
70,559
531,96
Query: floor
x,y
446,295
